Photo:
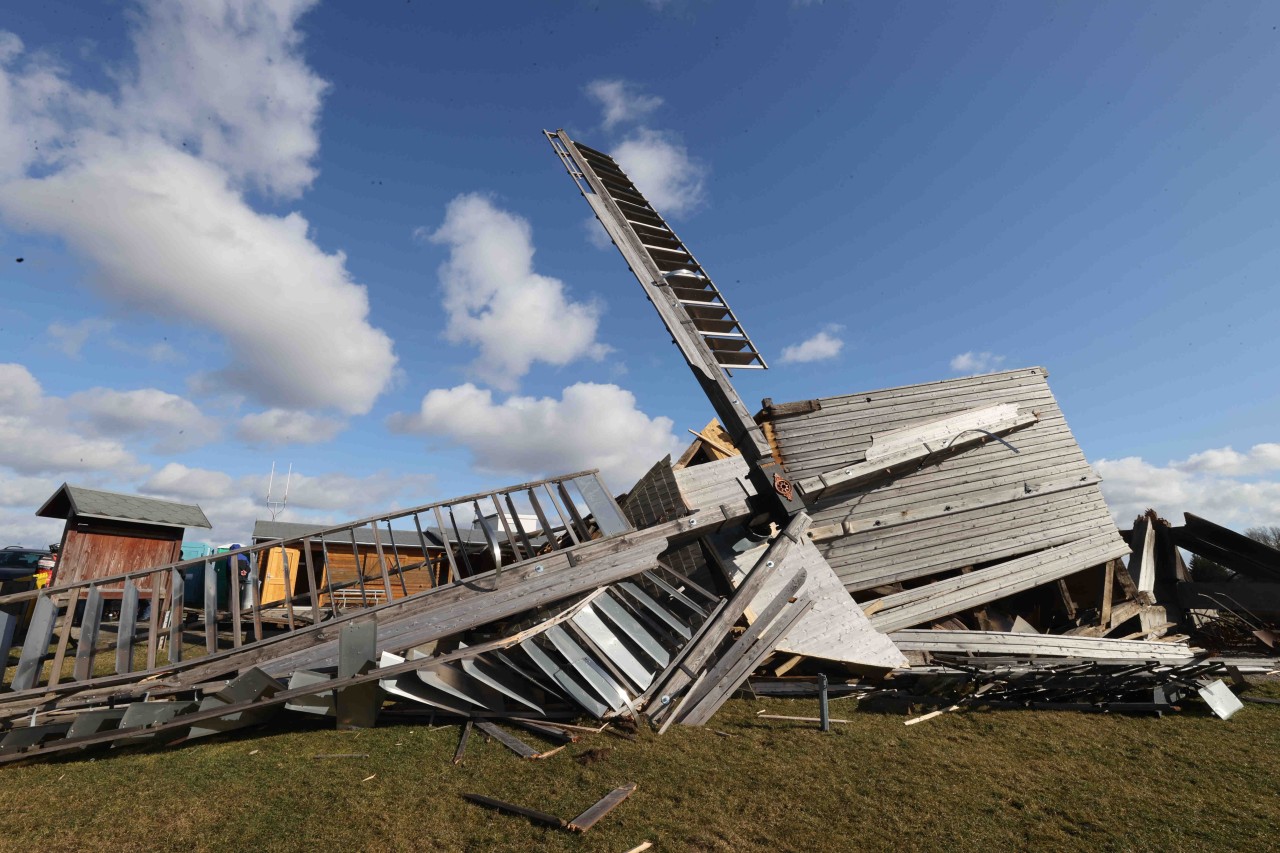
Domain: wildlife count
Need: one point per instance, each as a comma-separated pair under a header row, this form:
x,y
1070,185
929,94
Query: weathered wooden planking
x,y
606,804
1040,645
997,496
980,549
835,628
981,480
698,653
715,483
906,449
942,598
746,662
511,808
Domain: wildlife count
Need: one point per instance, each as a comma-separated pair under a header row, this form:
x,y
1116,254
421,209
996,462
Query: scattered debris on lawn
x,y
581,823
942,545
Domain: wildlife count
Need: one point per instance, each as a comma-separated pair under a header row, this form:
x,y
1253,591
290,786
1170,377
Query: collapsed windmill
x,y
834,532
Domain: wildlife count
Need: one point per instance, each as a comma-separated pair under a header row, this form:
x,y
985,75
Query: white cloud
x,y
976,362
621,102
20,392
29,446
1225,461
495,300
26,492
228,77
148,187
590,426
825,344
233,504
661,168
358,496
278,427
1220,484
178,482
21,527
35,437
171,423
72,337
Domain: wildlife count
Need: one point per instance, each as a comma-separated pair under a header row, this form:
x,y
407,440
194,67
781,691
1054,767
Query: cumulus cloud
x,y
976,362
621,102
228,76
35,437
21,527
178,482
148,184
72,337
357,496
278,427
26,492
1225,461
825,344
171,423
661,168
20,392
590,426
495,301
233,504
1221,484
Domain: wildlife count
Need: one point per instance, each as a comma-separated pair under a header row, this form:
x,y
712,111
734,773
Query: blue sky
x,y
331,235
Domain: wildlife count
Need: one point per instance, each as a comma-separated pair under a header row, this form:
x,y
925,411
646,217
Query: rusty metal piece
x,y
783,486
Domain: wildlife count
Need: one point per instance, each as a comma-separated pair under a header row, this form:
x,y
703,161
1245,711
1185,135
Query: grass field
x,y
999,780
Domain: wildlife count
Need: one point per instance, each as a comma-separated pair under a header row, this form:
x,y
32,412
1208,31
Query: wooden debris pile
x,y
952,525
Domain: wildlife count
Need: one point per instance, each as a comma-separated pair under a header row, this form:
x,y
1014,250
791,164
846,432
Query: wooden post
x,y
1108,585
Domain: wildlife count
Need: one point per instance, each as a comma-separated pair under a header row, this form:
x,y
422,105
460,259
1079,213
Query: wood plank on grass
x,y
606,804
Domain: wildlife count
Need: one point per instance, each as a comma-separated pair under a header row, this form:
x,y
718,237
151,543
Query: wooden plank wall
x,y
953,536
95,554
343,567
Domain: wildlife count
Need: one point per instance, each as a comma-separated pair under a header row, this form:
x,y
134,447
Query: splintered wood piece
x,y
510,808
641,847
462,743
550,733
607,803
508,740
763,716
930,715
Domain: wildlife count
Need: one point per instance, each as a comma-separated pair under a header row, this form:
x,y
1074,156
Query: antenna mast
x,y
276,508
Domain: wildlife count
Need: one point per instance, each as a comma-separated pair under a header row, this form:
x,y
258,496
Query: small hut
x,y
349,566
110,534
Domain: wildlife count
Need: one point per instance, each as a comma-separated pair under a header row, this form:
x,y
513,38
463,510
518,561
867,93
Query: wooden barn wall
x,y
1046,453
107,550
343,567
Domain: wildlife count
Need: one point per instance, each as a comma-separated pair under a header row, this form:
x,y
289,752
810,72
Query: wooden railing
x,y
462,536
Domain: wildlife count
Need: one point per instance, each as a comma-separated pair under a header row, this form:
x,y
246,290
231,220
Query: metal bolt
x,y
693,522
768,564
537,568
665,700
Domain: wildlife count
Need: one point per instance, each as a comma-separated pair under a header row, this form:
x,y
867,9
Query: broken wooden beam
x,y
602,807
511,808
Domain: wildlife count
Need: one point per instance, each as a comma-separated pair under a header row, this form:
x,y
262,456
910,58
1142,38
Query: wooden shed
x,y
341,562
110,534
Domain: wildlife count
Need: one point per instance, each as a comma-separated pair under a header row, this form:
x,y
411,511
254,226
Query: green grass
x,y
999,780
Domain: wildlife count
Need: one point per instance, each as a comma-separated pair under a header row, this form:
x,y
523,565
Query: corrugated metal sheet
x,y
977,515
